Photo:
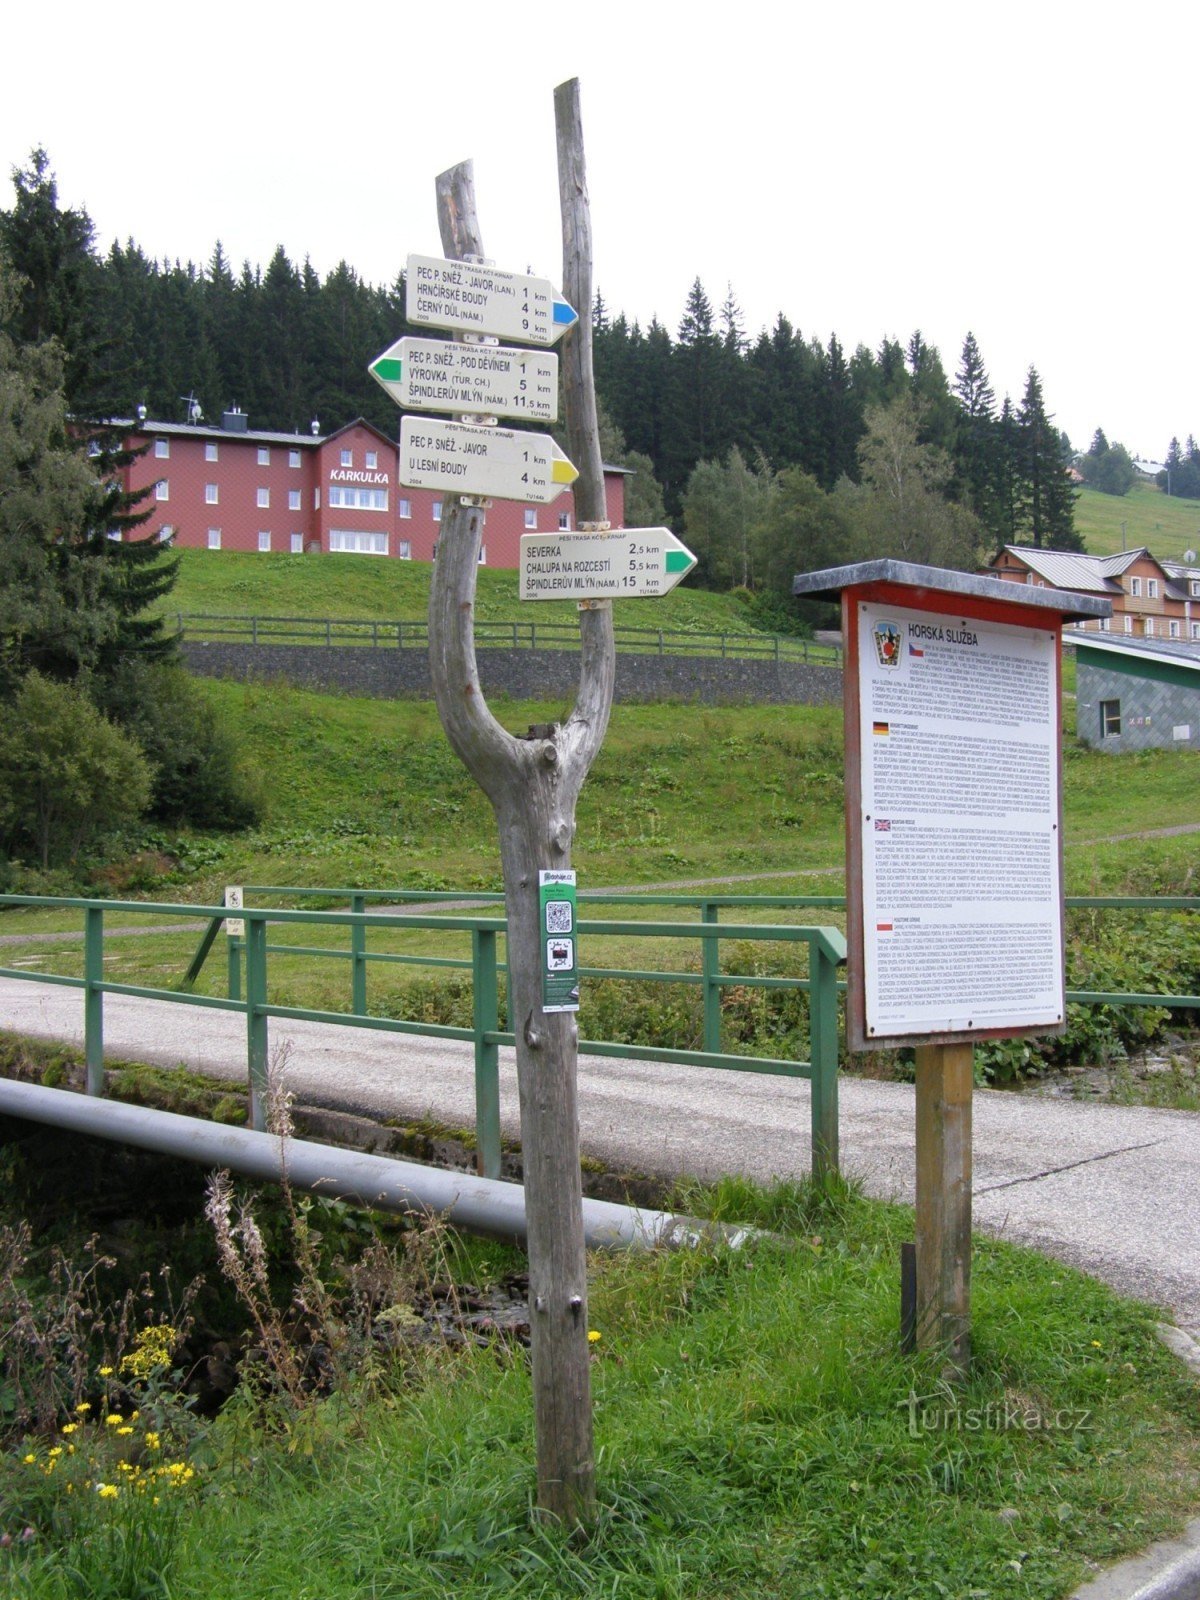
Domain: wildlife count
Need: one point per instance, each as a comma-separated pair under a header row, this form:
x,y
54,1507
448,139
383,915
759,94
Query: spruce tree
x,y
1045,500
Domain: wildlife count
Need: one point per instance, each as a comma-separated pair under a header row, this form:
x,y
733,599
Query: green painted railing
x,y
248,959
516,635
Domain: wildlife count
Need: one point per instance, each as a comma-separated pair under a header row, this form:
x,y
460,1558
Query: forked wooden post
x,y
533,785
945,1082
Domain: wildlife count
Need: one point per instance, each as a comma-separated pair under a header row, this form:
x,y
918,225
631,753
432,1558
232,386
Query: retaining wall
x,y
524,674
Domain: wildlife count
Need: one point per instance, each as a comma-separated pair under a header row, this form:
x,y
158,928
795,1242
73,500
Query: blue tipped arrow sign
x,y
469,298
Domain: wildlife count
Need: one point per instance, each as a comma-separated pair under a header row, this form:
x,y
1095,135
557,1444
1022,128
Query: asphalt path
x,y
1114,1190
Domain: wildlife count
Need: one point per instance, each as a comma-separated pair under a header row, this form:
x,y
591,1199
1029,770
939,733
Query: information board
x,y
958,826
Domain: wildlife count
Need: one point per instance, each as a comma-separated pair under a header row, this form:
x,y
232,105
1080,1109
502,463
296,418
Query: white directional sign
x,y
484,461
474,299
634,563
435,375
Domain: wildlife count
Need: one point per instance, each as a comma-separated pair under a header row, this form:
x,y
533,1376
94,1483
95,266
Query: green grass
x,y
232,583
1166,526
757,1431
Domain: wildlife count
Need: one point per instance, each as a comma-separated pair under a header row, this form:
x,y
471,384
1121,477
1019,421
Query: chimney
x,y
235,420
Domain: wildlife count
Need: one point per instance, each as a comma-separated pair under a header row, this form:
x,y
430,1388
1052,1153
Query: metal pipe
x,y
477,1205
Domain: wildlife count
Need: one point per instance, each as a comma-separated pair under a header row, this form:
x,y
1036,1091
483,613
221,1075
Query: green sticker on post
x,y
560,949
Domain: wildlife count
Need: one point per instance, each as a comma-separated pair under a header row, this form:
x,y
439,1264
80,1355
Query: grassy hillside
x,y
1167,527
230,583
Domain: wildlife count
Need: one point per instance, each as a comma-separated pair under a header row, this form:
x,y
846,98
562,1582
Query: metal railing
x,y
518,635
249,955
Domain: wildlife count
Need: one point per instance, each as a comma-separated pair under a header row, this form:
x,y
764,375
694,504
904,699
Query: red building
x,y
230,488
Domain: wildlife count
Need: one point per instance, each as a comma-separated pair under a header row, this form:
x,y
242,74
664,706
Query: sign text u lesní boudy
x,y
454,456
469,298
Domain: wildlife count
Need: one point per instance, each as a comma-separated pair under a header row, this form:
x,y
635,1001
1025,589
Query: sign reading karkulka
x,y
954,810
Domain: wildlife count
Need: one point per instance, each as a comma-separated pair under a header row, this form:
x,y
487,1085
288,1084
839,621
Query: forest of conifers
x,y
768,451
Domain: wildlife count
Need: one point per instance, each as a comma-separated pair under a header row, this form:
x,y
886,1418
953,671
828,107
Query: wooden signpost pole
x,y
945,1079
533,784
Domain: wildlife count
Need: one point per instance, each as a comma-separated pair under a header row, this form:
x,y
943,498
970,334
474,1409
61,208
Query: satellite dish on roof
x,y
1190,557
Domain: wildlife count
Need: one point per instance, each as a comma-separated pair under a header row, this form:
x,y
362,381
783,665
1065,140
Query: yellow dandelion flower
x,y
152,1441
29,1459
593,1336
57,1451
112,1419
107,1491
106,1372
83,1408
1096,1345
122,1432
175,1468
69,1427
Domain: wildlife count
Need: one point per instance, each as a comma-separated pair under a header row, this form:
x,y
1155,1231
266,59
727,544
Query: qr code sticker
x,y
558,916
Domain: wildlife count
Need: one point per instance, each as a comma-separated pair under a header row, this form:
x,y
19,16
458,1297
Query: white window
x,y
1152,588
1196,630
264,539
293,458
1149,627
404,508
1128,623
404,550
1135,588
297,544
316,499
1110,718
264,455
93,447
347,458
1105,624
162,489
264,499
358,499
437,510
114,535
372,460
1173,630
210,494
564,521
166,533
1194,585
530,517
162,449
214,538
355,541
293,499
210,450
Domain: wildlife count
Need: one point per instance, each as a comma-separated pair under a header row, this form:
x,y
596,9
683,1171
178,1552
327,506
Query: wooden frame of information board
x,y
953,684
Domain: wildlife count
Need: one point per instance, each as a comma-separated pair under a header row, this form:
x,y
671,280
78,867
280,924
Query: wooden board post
x,y
945,1080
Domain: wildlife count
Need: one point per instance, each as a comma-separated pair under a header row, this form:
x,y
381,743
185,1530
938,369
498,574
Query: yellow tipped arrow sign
x,y
497,462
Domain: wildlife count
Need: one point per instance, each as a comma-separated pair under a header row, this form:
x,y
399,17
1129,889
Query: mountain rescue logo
x,y
887,644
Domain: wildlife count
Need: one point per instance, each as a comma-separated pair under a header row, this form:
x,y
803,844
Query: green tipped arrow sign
x,y
624,563
491,380
469,298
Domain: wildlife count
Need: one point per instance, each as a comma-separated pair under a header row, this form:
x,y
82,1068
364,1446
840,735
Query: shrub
x,y
67,775
200,777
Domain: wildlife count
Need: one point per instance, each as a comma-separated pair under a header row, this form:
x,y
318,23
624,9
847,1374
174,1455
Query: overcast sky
x,y
1026,171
